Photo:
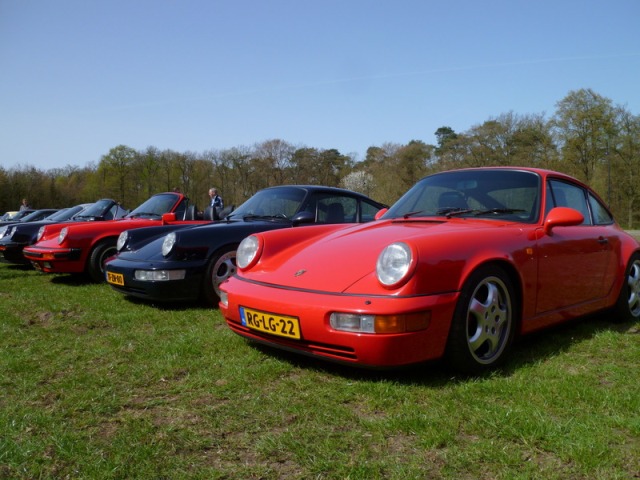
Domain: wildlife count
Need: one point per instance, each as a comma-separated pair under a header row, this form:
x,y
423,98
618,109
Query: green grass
x,y
94,385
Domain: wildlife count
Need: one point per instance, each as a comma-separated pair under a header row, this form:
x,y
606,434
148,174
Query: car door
x,y
573,261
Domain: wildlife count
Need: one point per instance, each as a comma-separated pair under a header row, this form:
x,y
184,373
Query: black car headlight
x,y
122,240
168,243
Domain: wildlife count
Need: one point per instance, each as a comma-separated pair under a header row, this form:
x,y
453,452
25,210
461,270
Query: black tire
x,y
101,252
484,323
221,267
627,308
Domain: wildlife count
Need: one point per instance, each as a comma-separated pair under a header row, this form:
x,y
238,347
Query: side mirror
x,y
380,213
562,217
303,218
168,218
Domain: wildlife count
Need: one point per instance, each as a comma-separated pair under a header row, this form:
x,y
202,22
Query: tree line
x,y
588,136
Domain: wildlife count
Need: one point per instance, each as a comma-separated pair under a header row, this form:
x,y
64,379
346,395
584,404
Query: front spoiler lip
x,y
50,254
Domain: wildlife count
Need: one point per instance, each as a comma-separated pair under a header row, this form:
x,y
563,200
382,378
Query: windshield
x,y
105,208
22,214
492,193
156,206
63,214
37,215
272,202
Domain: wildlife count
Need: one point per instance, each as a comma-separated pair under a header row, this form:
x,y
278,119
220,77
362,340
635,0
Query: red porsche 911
x,y
458,267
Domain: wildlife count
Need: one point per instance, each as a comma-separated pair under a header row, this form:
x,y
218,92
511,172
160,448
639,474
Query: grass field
x,y
94,385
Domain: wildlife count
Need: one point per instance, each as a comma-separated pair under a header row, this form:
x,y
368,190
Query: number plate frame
x,y
271,323
115,278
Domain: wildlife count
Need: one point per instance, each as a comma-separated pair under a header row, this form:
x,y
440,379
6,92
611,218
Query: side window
x,y
367,212
108,215
336,209
181,209
601,215
567,195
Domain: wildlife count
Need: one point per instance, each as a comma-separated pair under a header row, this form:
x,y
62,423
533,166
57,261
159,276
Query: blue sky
x,y
79,77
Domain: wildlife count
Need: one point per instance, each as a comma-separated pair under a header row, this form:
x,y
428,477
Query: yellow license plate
x,y
272,323
115,278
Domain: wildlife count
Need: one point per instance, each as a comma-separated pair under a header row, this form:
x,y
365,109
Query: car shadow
x,y
17,267
70,279
168,306
527,350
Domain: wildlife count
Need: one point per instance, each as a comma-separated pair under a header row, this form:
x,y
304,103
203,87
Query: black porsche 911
x,y
188,263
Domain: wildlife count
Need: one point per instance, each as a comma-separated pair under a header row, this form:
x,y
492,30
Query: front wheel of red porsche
x,y
484,322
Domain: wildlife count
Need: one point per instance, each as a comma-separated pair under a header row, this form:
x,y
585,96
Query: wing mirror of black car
x,y
562,217
303,218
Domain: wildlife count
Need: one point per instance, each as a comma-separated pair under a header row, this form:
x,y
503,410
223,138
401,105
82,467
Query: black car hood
x,y
199,241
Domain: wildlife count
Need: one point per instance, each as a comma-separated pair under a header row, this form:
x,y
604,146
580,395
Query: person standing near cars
x,y
24,205
216,200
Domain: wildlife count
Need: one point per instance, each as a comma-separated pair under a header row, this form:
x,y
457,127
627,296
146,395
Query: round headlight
x,y
394,264
168,243
247,253
122,240
62,235
40,233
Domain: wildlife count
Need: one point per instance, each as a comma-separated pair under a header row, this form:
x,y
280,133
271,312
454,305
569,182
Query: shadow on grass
x,y
12,269
169,306
70,279
526,351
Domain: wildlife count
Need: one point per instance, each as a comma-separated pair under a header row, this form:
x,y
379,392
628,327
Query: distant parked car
x,y
82,247
8,215
21,235
17,216
458,267
189,263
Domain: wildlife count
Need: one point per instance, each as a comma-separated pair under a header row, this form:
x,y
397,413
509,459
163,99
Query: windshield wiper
x,y
144,214
452,212
411,214
499,211
280,216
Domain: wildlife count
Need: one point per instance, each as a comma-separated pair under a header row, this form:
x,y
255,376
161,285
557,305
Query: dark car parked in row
x,y
178,263
29,216
20,235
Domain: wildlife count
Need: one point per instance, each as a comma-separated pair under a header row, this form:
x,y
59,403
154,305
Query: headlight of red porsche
x,y
248,252
40,233
62,235
395,264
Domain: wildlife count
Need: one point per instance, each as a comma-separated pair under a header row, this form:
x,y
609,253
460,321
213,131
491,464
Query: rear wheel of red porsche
x,y
100,253
628,306
484,322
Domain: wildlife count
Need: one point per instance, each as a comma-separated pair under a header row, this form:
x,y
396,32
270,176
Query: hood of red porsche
x,y
345,261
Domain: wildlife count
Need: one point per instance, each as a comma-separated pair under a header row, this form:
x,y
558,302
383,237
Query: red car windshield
x,y
492,193
156,206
